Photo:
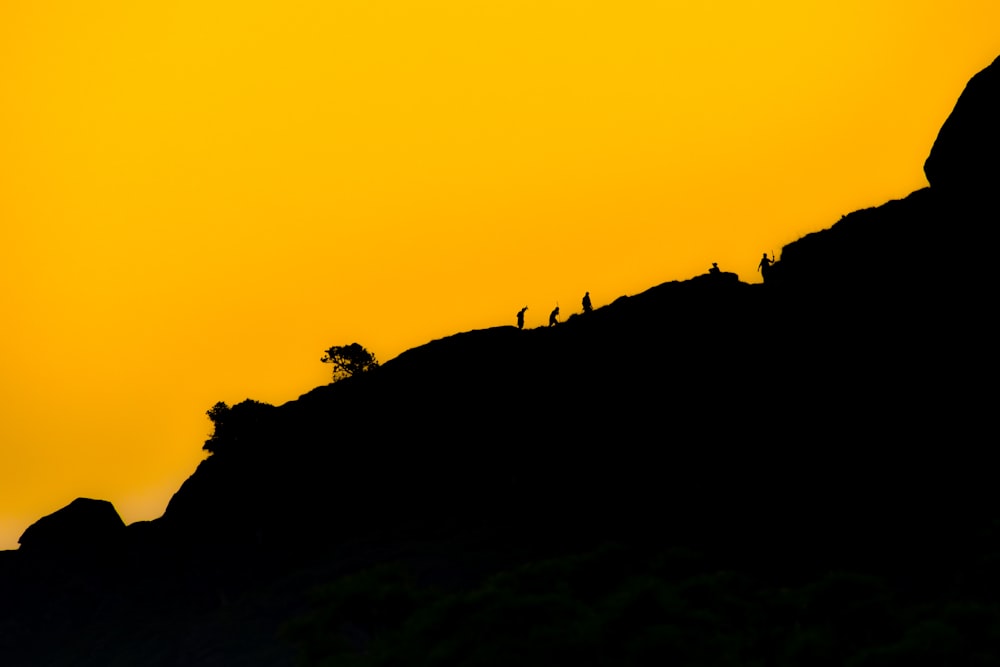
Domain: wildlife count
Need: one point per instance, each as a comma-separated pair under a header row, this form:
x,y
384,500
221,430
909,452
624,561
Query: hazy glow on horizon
x,y
198,198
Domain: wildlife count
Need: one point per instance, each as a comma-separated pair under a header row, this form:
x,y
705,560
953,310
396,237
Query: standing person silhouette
x,y
520,317
554,317
587,307
764,265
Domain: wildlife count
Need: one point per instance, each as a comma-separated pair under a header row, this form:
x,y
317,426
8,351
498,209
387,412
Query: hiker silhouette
x,y
587,307
520,317
765,265
554,317
715,269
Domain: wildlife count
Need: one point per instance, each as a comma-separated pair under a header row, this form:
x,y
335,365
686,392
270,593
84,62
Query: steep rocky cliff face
x,y
965,158
941,232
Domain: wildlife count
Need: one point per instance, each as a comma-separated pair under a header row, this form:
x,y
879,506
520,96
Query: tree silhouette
x,y
218,413
349,360
236,425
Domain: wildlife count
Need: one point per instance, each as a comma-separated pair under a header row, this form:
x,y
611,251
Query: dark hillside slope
x,y
825,390
481,420
718,391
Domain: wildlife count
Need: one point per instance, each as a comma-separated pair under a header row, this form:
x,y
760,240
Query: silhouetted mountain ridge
x,y
823,421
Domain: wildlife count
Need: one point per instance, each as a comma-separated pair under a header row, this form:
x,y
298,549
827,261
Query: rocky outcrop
x,y
965,158
871,256
83,526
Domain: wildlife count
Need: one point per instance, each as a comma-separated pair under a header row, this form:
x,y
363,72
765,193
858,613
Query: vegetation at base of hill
x,y
619,606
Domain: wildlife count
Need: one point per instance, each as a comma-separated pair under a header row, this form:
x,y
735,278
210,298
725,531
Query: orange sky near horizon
x,y
198,198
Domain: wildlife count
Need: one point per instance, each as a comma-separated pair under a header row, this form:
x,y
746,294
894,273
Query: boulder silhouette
x,y
965,158
85,525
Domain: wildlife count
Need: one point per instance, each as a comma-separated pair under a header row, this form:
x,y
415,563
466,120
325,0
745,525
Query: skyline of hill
x,y
196,204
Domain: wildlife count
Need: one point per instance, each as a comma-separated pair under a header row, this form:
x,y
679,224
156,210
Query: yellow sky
x,y
198,197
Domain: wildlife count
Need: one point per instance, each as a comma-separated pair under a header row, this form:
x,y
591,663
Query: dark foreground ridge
x,y
706,473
